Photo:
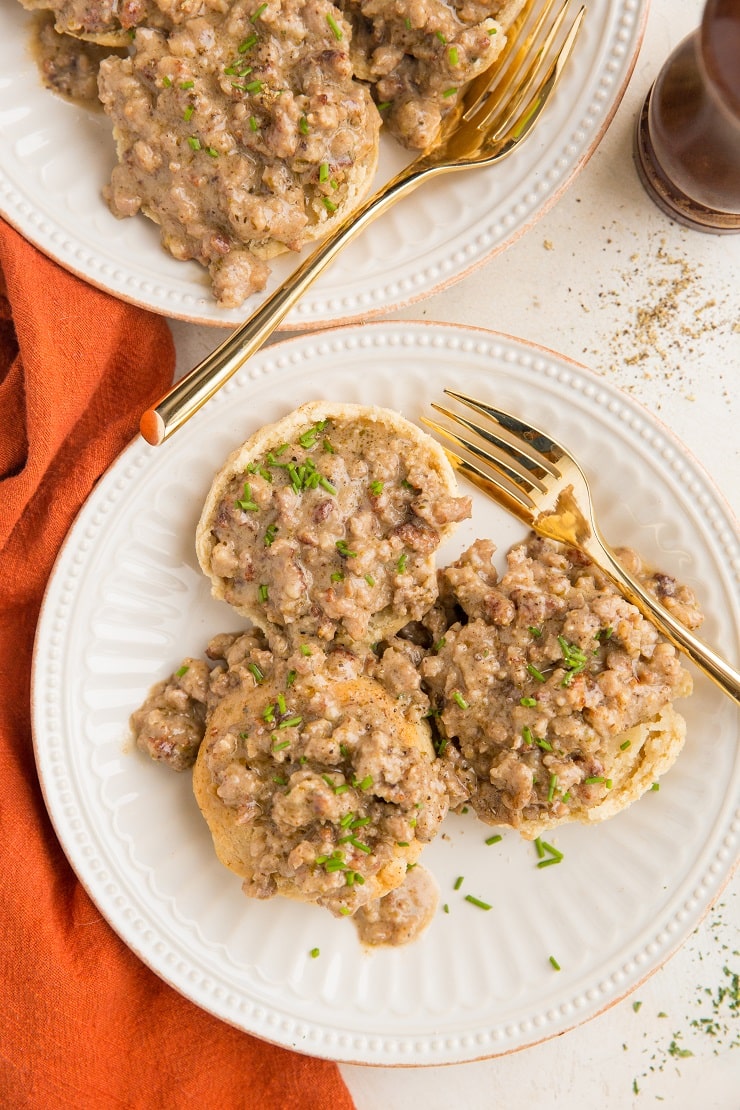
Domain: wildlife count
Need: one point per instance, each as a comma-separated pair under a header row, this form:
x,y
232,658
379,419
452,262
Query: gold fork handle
x,y
200,384
713,665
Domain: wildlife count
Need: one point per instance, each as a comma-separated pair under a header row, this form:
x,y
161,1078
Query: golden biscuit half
x,y
326,523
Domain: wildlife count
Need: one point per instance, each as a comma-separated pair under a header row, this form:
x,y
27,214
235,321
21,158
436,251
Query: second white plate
x,y
57,157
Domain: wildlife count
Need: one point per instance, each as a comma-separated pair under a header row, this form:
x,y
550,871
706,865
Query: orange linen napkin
x,y
84,1024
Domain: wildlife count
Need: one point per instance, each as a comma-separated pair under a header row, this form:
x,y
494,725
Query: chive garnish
x,y
623,747
376,488
536,632
527,736
439,644
477,902
279,747
383,106
445,908
528,702
291,722
290,678
329,205
370,580
247,44
303,125
323,171
341,546
187,84
182,670
457,697
554,963
262,593
449,92
167,81
314,953
253,124
194,143
255,672
188,113
535,673
655,786
336,30
401,564
258,13
270,533
305,649
593,779
553,787
453,56
458,882
337,576
247,503
494,839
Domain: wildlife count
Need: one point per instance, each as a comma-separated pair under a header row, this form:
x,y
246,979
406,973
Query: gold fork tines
x,y
540,482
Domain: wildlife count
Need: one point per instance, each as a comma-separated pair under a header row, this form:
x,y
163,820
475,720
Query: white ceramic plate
x,y
56,158
127,601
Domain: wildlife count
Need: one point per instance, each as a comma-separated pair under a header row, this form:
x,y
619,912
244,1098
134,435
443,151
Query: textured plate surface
x,y
127,601
57,157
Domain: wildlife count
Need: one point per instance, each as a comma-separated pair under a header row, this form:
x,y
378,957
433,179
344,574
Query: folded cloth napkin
x,y
83,1023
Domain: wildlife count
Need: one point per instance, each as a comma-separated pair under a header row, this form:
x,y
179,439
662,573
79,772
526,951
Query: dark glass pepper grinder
x,y
687,143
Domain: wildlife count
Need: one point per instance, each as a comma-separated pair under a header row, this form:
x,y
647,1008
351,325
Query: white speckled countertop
x,y
608,280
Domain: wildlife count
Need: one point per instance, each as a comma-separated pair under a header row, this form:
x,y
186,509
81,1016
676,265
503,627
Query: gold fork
x,y
498,110
537,480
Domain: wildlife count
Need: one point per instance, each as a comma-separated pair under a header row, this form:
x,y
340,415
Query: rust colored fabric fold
x,y
83,1023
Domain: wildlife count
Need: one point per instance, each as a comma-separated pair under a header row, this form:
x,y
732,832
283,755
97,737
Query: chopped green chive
x,y
494,839
211,151
329,205
439,644
291,722
401,564
458,882
453,56
254,86
553,787
636,1006
370,580
528,702
247,503
262,8
449,92
324,171
574,658
290,678
376,488
593,779
535,673
270,533
337,576
457,697
279,747
384,105
167,81
336,30
303,125
441,37
655,786
554,963
182,670
305,649
536,632
314,953
255,672
253,124
623,747
187,84
477,902
341,546
445,908
188,113
542,743
247,44
262,593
